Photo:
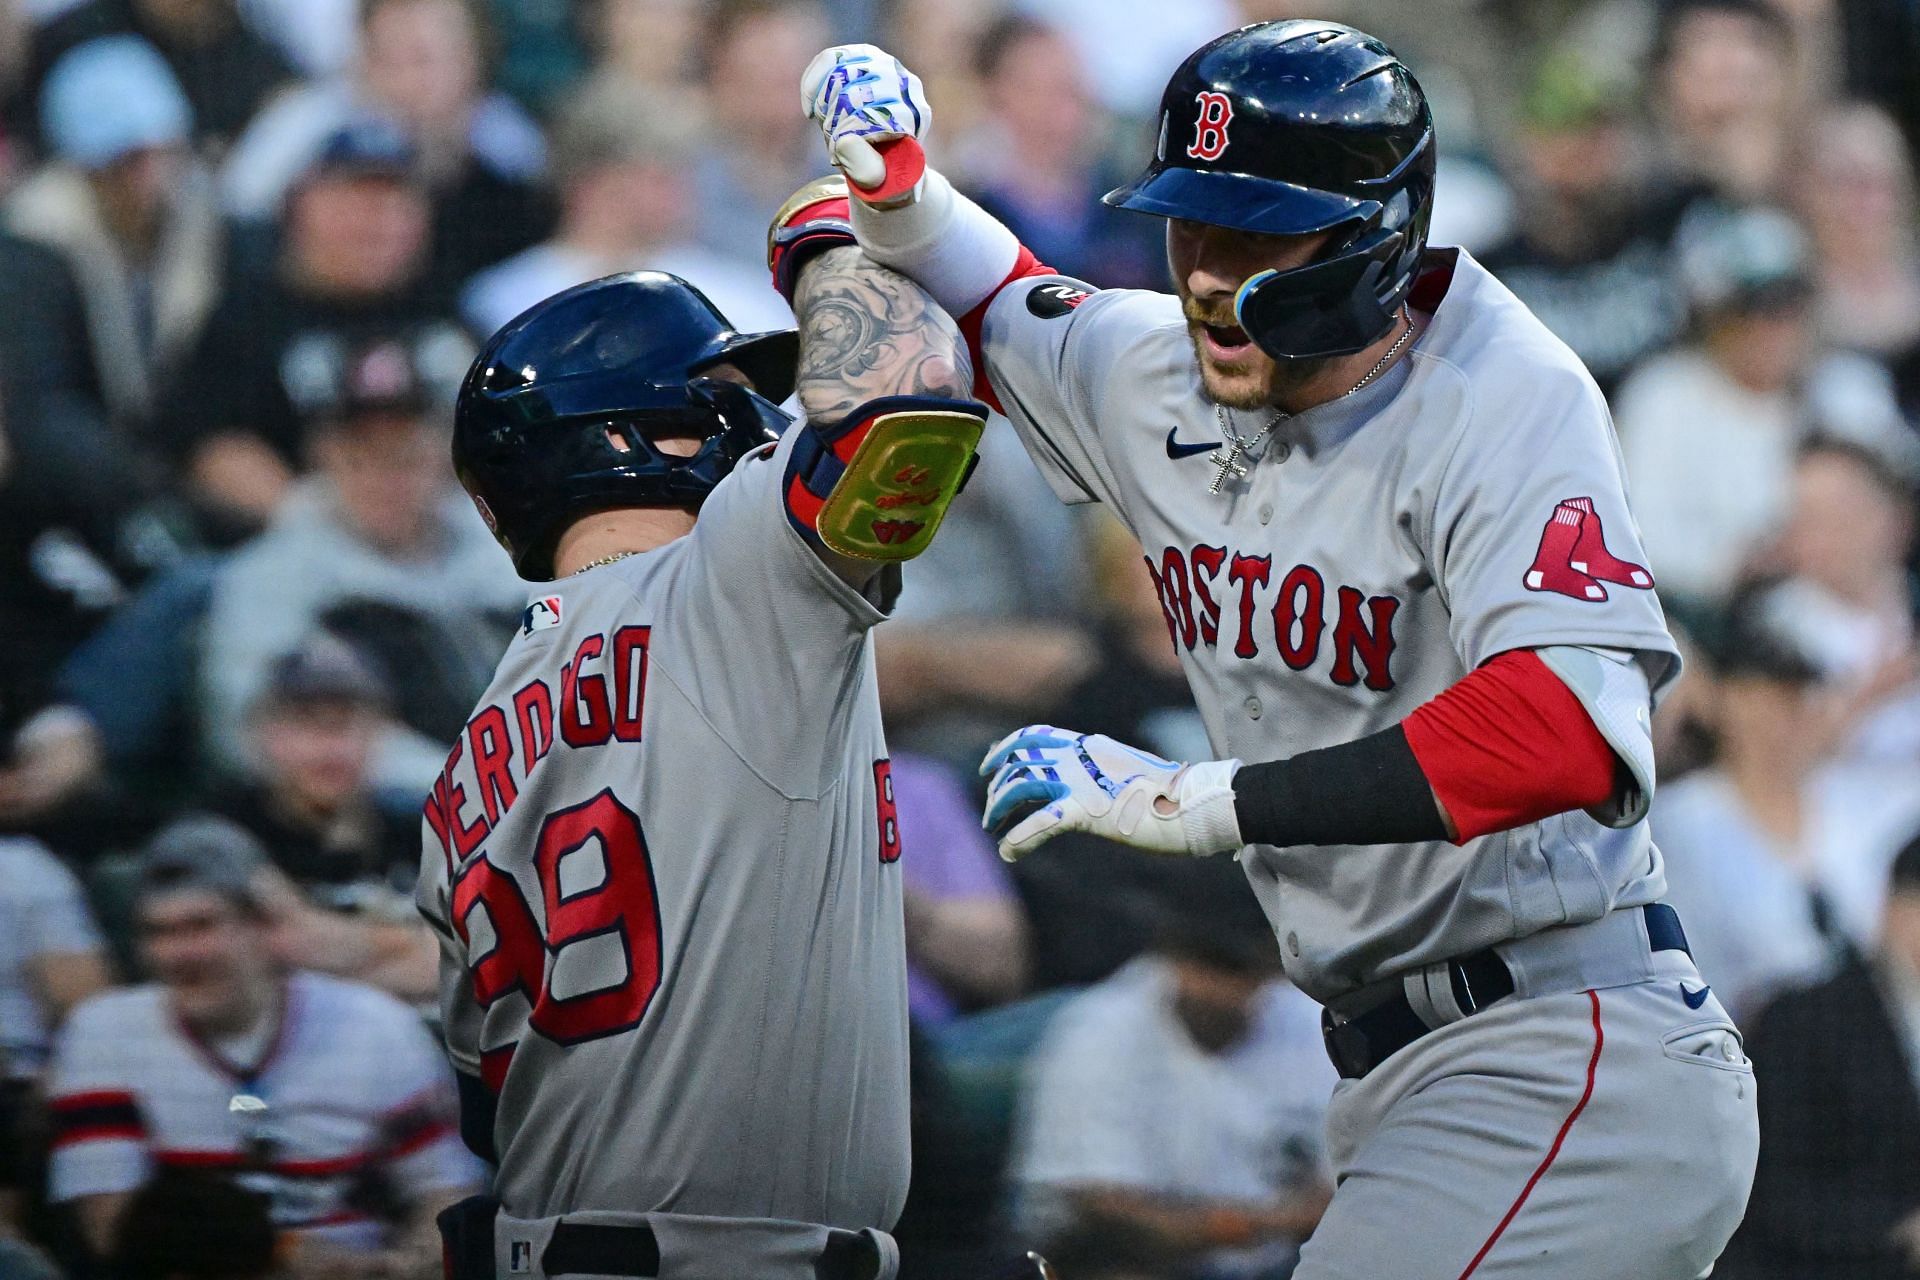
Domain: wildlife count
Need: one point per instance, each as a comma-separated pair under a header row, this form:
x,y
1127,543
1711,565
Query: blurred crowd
x,y
248,248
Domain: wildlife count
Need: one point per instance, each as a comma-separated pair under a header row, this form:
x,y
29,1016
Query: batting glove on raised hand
x,y
1047,781
862,97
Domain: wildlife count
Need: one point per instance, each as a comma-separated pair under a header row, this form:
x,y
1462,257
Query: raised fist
x,y
872,112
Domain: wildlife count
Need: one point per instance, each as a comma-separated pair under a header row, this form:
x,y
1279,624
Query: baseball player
x,y
661,856
1385,514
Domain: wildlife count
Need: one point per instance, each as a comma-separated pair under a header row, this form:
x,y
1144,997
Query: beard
x,y
1259,381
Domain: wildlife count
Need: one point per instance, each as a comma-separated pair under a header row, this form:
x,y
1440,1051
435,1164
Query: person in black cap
x,y
352,260
377,545
313,730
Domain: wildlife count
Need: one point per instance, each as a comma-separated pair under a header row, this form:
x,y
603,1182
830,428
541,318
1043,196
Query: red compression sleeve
x,y
1023,266
1509,745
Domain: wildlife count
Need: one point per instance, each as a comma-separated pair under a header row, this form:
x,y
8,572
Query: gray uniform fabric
x,y
728,679
1377,551
1602,1121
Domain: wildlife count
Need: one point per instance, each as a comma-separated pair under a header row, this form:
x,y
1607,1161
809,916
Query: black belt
x,y
1359,1045
599,1249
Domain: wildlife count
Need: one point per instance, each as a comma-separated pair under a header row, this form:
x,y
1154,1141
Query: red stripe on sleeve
x,y
98,1133
93,1098
1023,266
1509,745
421,1138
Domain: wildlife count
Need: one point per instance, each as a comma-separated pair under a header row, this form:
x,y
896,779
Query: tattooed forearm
x,y
867,332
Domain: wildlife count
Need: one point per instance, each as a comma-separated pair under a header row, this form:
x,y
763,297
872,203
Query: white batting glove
x,y
1047,781
862,95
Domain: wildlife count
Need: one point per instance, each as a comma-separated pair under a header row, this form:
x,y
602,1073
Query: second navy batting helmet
x,y
1290,128
554,419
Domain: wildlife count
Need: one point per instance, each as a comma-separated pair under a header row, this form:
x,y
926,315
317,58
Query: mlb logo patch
x,y
541,614
520,1257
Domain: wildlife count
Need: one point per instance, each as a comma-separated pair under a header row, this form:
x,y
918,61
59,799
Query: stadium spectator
x,y
1588,251
225,67
311,733
620,160
131,210
760,148
1855,189
651,45
51,959
69,542
966,936
1834,1197
1776,855
1038,162
325,1096
1710,430
1172,1119
353,262
420,67
380,547
1847,596
1724,89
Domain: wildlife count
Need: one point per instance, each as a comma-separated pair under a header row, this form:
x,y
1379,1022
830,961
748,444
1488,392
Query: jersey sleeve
x,y
755,567
460,1014
1051,346
99,1138
46,908
1527,527
419,1114
761,636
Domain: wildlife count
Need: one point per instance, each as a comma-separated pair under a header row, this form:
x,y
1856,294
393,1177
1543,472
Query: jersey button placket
x,y
1252,704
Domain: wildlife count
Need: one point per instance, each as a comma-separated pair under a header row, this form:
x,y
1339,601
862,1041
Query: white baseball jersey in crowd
x,y
350,1088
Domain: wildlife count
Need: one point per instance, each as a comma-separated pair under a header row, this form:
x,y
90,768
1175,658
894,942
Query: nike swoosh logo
x,y
1694,999
1176,450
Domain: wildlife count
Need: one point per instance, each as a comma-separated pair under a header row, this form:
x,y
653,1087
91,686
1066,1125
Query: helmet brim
x,y
1238,200
770,360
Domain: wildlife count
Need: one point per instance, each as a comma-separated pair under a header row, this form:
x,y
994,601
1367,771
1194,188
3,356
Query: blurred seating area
x,y
248,249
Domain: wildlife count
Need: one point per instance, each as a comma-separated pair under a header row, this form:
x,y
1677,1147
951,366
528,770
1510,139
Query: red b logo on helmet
x,y
1210,128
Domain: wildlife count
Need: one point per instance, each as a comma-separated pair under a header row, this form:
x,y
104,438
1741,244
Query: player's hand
x,y
1047,781
872,112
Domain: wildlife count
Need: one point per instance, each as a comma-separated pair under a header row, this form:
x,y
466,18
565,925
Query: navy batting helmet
x,y
1290,128
554,418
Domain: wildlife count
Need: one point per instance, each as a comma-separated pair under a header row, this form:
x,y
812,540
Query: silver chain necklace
x,y
603,560
1227,462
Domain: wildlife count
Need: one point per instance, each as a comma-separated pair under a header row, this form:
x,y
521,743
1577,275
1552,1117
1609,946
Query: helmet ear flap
x,y
1334,306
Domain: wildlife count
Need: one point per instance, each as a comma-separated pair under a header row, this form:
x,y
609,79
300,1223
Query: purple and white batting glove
x,y
862,97
1048,780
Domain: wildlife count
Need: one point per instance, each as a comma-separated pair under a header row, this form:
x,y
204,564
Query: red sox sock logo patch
x,y
1573,559
1210,128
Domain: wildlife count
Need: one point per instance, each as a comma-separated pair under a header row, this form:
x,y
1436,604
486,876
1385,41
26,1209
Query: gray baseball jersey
x,y
661,862
1378,548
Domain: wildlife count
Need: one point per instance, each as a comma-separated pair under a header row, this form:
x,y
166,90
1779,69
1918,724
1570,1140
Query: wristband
x,y
814,219
1368,791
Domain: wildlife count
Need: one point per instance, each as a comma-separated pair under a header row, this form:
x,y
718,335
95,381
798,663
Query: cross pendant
x,y
1226,464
